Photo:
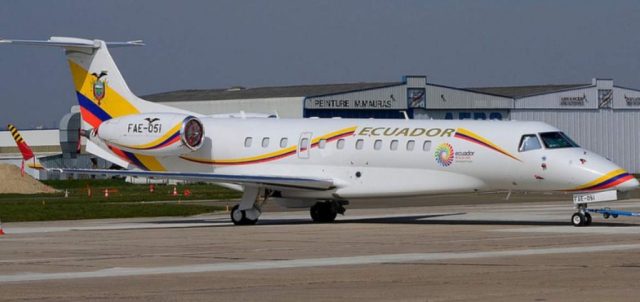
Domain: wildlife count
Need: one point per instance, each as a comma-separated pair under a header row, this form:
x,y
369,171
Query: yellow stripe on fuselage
x,y
334,134
484,140
257,157
113,103
601,179
271,154
155,142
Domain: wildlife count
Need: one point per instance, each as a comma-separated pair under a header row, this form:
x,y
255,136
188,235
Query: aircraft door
x,y
304,145
533,167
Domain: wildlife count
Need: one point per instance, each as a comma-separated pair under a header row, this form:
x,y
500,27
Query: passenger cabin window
x,y
340,144
265,142
247,142
377,145
426,146
556,140
411,145
394,145
359,144
322,143
529,142
283,142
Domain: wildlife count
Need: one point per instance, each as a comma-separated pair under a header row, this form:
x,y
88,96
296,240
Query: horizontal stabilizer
x,y
71,42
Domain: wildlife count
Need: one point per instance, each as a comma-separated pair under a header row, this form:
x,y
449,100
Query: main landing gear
x,y
326,211
248,210
582,217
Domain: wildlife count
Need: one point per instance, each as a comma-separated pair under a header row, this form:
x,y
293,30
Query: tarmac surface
x,y
485,250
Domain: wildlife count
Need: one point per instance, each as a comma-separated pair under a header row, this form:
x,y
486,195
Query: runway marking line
x,y
302,263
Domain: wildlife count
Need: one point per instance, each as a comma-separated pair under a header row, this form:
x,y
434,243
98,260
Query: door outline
x,y
303,151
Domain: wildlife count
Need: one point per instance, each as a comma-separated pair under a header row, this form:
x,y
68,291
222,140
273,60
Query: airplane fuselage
x,y
384,158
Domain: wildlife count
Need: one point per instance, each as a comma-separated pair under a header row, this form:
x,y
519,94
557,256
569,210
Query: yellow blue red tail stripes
x,y
93,110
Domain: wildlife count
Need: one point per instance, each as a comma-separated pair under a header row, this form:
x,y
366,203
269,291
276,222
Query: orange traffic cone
x,y
106,193
175,191
152,188
1,230
186,193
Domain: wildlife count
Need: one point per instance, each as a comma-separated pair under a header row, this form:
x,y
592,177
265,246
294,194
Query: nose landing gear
x,y
582,217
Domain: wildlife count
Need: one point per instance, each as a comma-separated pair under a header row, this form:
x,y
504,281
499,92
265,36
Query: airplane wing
x,y
255,180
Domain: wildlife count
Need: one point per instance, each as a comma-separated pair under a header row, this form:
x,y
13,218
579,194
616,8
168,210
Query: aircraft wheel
x,y
605,215
578,219
240,217
323,212
588,219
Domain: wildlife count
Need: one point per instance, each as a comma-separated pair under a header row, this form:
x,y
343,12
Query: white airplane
x,y
323,163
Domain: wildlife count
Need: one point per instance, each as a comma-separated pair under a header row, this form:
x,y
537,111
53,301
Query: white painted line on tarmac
x,y
119,226
569,229
301,263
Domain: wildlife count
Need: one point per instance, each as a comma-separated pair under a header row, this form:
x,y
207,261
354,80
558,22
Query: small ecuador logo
x,y
99,86
444,154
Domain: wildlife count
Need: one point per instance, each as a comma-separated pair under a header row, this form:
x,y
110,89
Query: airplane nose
x,y
629,185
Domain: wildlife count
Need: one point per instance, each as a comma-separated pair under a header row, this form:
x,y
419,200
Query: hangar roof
x,y
237,93
261,92
521,91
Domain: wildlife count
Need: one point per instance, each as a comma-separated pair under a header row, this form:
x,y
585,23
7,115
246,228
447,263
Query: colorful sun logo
x,y
444,154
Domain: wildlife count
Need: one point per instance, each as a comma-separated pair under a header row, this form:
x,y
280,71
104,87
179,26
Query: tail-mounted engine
x,y
156,134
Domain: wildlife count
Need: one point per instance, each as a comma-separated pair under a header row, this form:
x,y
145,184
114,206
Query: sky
x,y
219,44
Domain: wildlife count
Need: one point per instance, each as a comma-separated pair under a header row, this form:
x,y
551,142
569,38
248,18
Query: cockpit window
x,y
529,142
555,140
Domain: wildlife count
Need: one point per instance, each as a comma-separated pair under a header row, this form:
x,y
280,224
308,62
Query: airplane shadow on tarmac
x,y
405,219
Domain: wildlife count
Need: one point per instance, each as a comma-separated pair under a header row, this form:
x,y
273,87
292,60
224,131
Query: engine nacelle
x,y
156,134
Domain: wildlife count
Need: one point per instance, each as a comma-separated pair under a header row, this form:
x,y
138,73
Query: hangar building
x,y
599,116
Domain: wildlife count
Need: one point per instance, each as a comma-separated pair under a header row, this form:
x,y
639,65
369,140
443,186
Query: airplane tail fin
x,y
24,148
100,88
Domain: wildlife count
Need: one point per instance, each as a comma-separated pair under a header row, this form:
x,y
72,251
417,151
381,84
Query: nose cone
x,y
631,184
602,174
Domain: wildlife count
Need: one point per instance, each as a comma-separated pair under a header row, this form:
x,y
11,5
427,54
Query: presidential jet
x,y
321,164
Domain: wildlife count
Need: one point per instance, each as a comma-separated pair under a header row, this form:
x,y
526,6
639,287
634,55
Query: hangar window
x,y
359,144
265,142
340,144
377,144
322,143
426,146
394,145
529,142
410,145
555,140
283,142
247,142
